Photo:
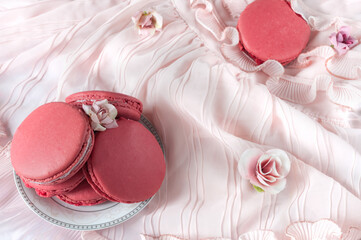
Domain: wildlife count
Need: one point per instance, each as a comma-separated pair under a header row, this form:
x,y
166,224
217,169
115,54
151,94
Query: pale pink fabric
x,y
4,138
209,104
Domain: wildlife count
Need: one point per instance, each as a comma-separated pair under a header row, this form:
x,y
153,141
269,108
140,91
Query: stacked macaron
x,y
270,29
90,149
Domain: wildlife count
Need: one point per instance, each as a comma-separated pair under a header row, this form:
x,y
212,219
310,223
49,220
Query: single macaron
x,y
270,29
82,195
127,163
52,144
50,190
127,106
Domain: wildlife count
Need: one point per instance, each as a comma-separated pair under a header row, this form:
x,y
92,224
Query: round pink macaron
x,y
127,164
52,144
127,106
82,195
270,29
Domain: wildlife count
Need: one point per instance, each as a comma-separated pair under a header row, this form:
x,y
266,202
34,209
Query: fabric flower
x,y
266,171
342,41
102,115
148,22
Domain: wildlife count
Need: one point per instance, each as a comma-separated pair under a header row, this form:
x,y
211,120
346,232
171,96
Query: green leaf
x,y
332,46
258,189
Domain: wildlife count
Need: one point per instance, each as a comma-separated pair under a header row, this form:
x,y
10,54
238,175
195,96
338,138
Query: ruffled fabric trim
x,y
293,89
235,7
304,91
346,67
321,230
353,233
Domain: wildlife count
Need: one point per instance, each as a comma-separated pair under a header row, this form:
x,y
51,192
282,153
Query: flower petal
x,y
270,179
262,181
277,187
97,127
95,107
345,30
106,120
332,39
113,112
283,156
86,108
248,161
113,124
94,117
158,20
342,48
352,42
265,165
102,103
145,20
339,37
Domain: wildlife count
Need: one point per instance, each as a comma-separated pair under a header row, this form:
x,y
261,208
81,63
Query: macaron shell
x,y
270,29
127,163
82,195
44,190
127,106
93,182
52,143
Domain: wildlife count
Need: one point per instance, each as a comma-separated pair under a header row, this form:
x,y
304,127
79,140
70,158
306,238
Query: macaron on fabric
x,y
82,195
127,106
270,29
51,145
127,164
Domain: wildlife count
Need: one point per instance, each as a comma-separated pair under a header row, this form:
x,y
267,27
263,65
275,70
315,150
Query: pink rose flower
x,y
148,22
266,171
102,115
342,41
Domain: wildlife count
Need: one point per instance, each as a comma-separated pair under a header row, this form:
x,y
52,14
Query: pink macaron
x,y
127,164
51,145
82,195
127,106
270,29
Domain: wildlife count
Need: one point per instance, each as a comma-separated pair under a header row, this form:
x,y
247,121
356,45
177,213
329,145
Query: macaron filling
x,y
53,192
82,160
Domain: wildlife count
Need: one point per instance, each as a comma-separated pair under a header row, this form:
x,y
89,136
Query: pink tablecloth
x,y
209,103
